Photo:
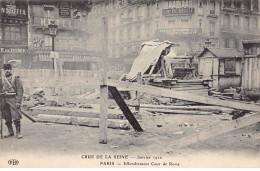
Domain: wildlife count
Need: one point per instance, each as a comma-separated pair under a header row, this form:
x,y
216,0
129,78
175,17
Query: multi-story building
x,y
190,23
13,32
71,41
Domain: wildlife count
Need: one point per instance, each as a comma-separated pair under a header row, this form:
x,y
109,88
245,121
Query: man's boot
x,y
18,130
10,131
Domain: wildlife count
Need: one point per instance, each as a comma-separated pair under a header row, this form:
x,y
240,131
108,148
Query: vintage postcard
x,y
130,83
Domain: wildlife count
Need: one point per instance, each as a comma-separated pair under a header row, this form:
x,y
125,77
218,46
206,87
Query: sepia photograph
x,y
130,84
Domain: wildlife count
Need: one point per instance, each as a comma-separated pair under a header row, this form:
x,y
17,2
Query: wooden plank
x,y
184,95
191,81
181,112
77,112
215,131
201,108
82,121
126,111
190,88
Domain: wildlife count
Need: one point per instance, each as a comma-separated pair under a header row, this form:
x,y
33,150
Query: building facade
x,y
13,32
72,35
190,23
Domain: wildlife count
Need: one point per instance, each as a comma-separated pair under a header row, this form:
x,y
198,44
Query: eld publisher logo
x,y
13,162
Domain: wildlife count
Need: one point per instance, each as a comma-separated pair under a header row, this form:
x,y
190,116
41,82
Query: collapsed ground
x,y
161,129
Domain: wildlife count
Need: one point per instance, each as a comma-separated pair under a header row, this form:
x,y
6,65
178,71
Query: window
x,y
138,12
12,35
230,66
178,4
121,51
114,52
0,34
148,10
246,25
200,4
121,17
227,20
129,33
185,3
157,6
148,30
129,13
138,32
227,4
114,20
256,5
129,49
171,23
184,20
212,28
121,35
226,43
237,4
236,22
247,5
255,24
236,44
49,14
113,37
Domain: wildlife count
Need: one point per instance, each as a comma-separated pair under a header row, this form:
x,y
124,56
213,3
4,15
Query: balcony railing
x,y
239,29
180,31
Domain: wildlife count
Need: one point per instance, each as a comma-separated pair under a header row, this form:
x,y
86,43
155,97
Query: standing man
x,y
13,90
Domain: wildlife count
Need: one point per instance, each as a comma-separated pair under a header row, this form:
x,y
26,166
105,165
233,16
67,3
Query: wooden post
x,y
104,88
139,81
103,114
1,117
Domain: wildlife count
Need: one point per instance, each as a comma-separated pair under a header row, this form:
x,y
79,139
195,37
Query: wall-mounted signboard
x,y
64,10
8,10
13,50
178,11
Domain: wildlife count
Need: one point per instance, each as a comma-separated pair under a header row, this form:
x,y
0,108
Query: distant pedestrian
x,y
12,88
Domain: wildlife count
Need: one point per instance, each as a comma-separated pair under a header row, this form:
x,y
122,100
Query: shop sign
x,y
12,10
13,50
177,11
64,10
59,22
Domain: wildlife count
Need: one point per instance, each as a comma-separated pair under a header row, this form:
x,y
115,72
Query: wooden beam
x,y
182,95
123,106
215,131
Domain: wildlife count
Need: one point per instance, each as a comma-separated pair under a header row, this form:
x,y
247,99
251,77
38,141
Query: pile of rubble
x,y
236,94
38,99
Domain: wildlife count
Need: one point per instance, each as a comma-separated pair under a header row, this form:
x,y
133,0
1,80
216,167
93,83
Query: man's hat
x,y
7,66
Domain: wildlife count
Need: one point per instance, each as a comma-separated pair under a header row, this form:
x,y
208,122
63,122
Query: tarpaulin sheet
x,y
150,53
